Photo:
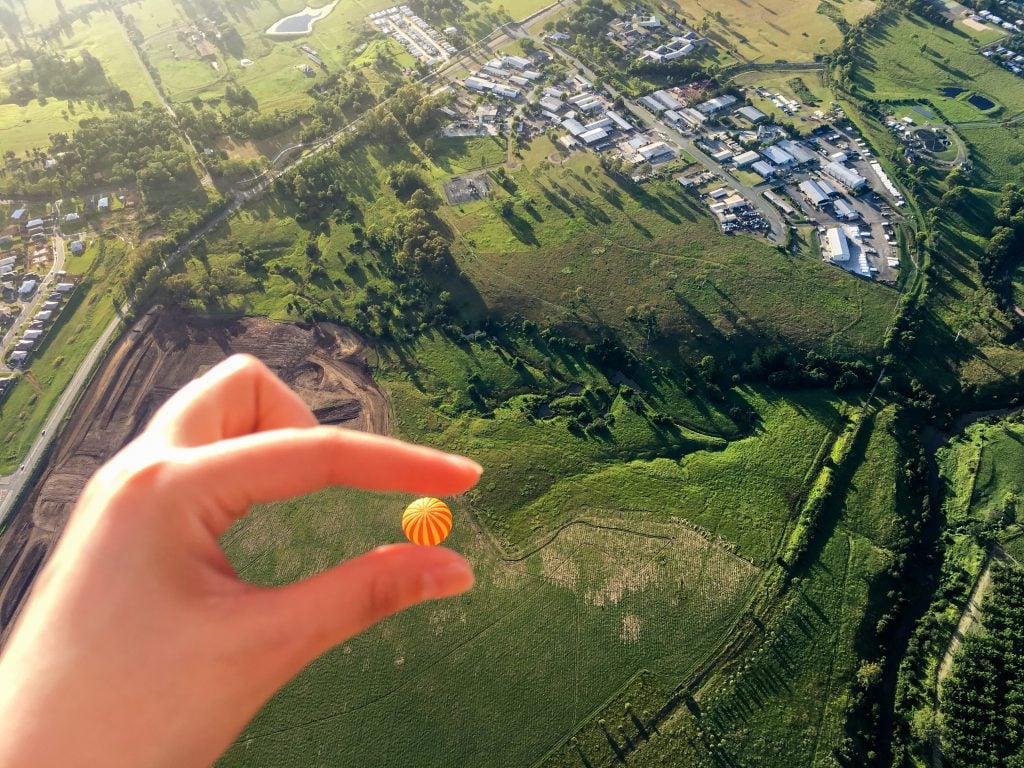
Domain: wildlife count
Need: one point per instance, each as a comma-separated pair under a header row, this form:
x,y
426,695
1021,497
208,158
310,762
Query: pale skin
x,y
139,646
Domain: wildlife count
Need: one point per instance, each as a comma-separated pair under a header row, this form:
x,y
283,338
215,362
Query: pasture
x,y
911,58
982,472
451,680
766,31
580,243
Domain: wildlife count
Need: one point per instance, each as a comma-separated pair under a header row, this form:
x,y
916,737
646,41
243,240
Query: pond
x,y
952,93
980,102
301,23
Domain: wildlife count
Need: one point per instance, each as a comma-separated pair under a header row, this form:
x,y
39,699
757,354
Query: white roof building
x,y
550,104
845,211
837,247
848,177
655,150
593,135
479,84
652,104
573,126
746,158
716,104
778,156
799,153
620,122
752,114
763,169
814,194
667,99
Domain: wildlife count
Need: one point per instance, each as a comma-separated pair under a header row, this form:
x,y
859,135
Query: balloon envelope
x,y
427,521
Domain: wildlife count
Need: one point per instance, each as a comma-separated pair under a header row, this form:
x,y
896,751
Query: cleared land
x,y
159,355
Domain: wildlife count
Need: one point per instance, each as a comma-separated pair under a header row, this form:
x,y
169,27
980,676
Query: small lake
x,y
980,102
952,93
301,23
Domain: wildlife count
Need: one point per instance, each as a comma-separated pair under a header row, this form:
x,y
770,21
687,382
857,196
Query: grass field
x,y
772,30
583,244
982,472
912,58
86,315
782,82
632,585
29,127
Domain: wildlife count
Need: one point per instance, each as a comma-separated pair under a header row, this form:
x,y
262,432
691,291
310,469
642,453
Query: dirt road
x,y
324,364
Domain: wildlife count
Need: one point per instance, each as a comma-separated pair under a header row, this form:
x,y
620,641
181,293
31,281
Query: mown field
x,y
773,30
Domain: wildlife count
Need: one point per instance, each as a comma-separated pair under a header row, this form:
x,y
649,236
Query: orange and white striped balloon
x,y
427,521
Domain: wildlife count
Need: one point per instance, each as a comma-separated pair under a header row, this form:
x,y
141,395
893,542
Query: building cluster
x,y
414,34
1014,26
782,102
651,38
733,211
1007,57
43,320
507,77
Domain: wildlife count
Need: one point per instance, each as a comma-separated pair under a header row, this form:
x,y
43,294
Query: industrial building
x,y
837,246
848,177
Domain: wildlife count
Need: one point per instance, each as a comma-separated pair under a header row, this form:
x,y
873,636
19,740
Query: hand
x,y
139,646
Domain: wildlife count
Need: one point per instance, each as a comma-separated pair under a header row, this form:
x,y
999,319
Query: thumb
x,y
333,606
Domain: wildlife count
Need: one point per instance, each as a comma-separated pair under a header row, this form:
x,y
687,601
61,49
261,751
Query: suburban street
x,y
30,308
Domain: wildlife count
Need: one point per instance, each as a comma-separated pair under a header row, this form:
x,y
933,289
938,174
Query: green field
x,y
773,30
913,59
629,582
984,473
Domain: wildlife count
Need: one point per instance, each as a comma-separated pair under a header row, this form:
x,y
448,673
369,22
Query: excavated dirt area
x,y
324,364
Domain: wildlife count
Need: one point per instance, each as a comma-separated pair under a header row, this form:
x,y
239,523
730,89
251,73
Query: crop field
x,y
914,59
772,30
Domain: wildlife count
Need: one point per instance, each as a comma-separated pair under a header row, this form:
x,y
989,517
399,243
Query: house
x,y
506,92
35,223
103,204
763,169
65,287
559,37
27,288
71,218
78,247
753,115
33,334
51,305
745,159
836,246
19,214
18,357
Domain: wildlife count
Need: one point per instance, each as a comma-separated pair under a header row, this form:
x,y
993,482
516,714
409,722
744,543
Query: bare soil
x,y
323,363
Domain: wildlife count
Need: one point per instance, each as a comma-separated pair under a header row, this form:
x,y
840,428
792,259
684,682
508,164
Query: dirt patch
x,y
323,363
630,629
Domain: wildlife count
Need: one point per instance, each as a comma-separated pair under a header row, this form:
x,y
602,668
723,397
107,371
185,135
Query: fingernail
x,y
470,464
452,578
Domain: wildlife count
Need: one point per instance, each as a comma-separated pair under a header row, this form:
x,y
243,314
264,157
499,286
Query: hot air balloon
x,y
427,521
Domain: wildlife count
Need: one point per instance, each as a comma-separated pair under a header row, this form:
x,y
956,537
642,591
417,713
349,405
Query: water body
x,y
980,102
300,23
952,93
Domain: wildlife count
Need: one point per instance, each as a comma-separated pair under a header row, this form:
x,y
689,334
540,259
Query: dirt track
x,y
163,351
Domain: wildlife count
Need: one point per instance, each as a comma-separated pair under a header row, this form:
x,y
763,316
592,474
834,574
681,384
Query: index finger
x,y
239,396
224,479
